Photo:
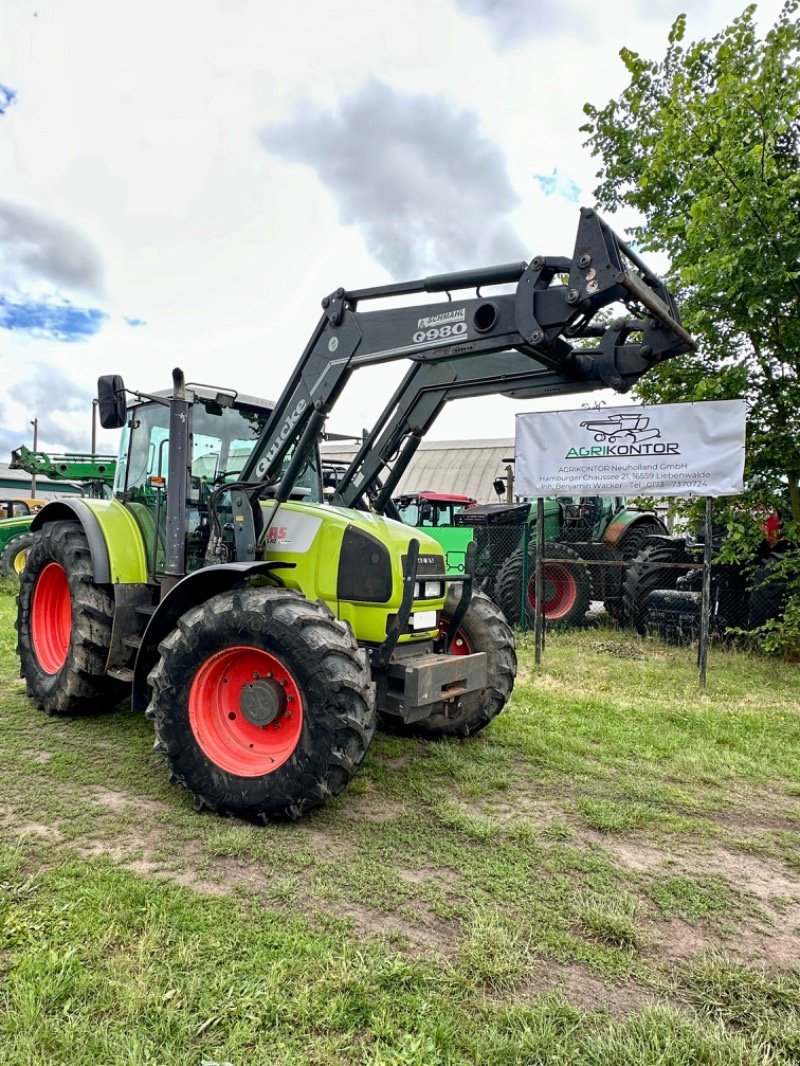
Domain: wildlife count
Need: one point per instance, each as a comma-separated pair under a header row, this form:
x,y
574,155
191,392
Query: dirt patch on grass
x,y
768,880
423,875
372,807
119,802
522,805
38,757
330,845
19,826
749,943
400,763
426,935
643,858
765,927
589,993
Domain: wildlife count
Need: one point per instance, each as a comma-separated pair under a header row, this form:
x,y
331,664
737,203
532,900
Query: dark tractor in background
x,y
589,540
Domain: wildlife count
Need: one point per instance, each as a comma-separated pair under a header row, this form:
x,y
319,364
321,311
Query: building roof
x,y
16,484
462,466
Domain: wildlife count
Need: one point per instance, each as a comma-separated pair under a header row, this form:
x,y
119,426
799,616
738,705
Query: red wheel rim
x,y
461,644
232,692
560,591
51,618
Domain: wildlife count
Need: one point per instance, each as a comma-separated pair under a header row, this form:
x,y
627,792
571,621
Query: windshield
x,y
415,512
221,441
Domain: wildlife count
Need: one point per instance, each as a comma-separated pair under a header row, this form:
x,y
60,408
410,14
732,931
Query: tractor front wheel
x,y
262,703
567,587
483,628
653,568
64,625
14,555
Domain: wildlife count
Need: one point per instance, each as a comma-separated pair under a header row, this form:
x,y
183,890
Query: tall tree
x,y
705,145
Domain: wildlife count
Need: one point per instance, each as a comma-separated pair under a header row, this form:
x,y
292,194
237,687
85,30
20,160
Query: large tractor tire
x,y
567,587
14,555
263,703
64,625
648,571
769,593
633,542
483,628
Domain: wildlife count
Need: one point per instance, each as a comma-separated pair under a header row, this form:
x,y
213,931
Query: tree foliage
x,y
705,146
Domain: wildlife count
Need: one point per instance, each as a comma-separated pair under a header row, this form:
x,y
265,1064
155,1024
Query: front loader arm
x,y
387,449
71,466
539,320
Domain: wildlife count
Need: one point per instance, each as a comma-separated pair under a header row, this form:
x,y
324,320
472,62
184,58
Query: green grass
x,y
608,874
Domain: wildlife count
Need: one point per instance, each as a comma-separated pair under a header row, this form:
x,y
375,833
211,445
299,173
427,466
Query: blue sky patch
x,y
7,98
59,322
134,323
557,184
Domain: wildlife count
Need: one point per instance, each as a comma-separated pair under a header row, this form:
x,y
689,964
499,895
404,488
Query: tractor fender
x,y
115,542
190,591
627,520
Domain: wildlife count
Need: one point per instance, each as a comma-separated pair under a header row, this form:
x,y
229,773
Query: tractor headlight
x,y
428,590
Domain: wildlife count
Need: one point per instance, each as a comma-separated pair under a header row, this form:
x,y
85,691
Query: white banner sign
x,y
672,449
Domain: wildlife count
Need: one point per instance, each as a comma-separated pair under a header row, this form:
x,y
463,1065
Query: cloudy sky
x,y
182,181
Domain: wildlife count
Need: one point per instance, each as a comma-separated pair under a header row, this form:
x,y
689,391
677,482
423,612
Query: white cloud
x,y
412,171
38,249
513,22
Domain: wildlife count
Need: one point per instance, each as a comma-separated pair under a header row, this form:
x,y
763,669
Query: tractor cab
x,y
587,517
223,428
436,509
17,508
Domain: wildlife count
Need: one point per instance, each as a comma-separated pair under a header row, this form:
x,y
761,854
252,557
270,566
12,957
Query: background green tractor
x,y
435,513
589,540
15,539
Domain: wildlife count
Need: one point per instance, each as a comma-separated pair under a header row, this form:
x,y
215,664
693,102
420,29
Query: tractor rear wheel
x,y
769,593
483,628
567,587
12,559
633,542
64,625
651,570
262,702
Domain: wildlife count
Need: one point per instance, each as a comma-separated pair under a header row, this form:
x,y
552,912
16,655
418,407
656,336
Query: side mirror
x,y
499,486
111,401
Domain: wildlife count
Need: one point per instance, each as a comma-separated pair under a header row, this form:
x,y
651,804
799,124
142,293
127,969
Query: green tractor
x,y
94,472
15,535
231,612
435,513
263,629
589,542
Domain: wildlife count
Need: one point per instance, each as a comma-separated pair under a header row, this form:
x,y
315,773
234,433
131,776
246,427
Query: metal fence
x,y
674,588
